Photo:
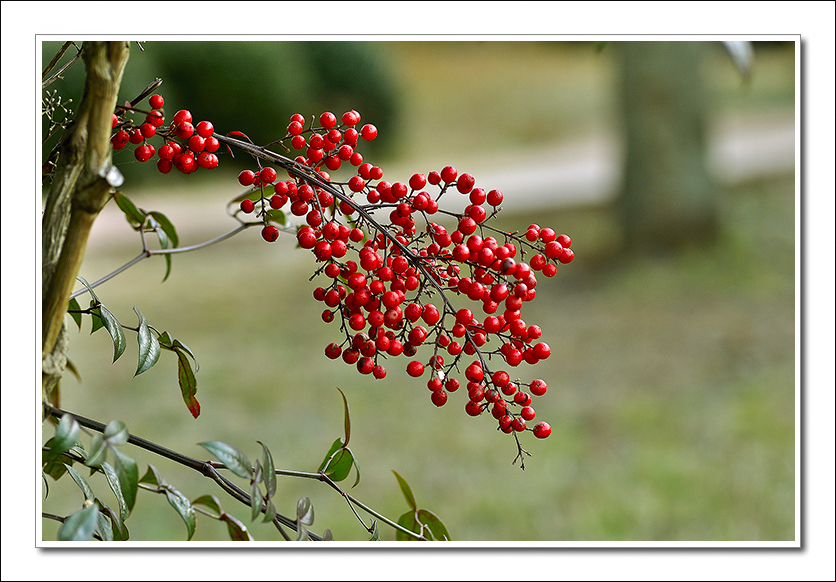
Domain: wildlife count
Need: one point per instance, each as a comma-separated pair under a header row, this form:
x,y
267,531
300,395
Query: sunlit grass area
x,y
671,381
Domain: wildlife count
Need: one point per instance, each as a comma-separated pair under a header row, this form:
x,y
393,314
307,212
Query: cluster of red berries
x,y
186,147
392,281
384,295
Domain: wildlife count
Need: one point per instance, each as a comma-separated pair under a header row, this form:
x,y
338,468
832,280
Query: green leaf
x,y
375,532
74,306
269,471
184,509
177,344
337,463
232,458
256,500
270,513
97,322
167,227
133,215
347,418
66,435
115,486
103,527
79,526
252,194
237,530
277,216
304,511
152,477
407,492
431,520
149,347
407,521
128,475
120,530
98,451
167,266
116,433
89,289
82,484
211,502
188,383
114,328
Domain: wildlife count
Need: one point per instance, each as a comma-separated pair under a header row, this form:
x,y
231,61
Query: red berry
x,y
268,175
184,130
448,174
465,183
494,198
368,132
351,118
205,129
270,233
328,120
156,101
542,430
207,160
439,397
144,152
184,115
415,369
246,178
538,387
567,257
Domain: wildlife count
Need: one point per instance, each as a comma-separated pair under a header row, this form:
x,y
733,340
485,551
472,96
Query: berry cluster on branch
x,y
396,279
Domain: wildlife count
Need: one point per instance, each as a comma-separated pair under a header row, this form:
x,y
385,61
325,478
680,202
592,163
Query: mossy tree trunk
x,y
82,184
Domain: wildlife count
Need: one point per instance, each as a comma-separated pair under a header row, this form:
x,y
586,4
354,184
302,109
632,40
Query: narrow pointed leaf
x,y
167,266
128,475
270,513
115,486
79,526
73,370
232,458
269,471
167,227
237,530
375,532
184,509
347,418
256,501
103,527
81,482
304,511
152,477
177,344
356,467
431,520
133,215
74,306
209,501
277,216
407,492
188,383
89,289
97,322
120,531
114,328
149,347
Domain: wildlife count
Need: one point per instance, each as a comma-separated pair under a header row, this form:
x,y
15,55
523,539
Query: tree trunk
x,y
83,182
668,198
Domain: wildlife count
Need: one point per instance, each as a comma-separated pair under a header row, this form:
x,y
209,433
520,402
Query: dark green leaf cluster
x,y
95,517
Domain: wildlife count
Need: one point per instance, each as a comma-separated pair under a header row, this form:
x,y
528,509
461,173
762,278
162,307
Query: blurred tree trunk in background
x,y
668,199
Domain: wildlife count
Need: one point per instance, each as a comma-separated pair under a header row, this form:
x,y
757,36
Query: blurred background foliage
x,y
672,379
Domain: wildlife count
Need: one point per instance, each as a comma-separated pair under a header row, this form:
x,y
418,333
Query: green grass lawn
x,y
672,379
